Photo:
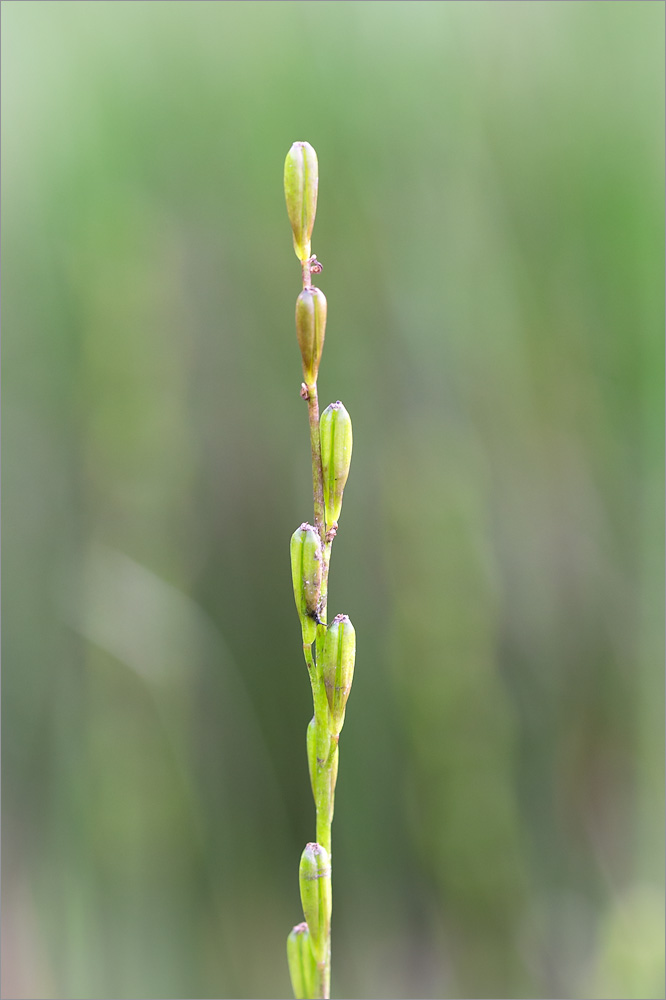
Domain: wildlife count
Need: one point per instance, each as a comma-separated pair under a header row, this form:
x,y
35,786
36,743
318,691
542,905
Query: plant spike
x,y
329,651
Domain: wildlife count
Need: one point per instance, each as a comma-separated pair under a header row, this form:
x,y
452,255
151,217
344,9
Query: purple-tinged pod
x,y
335,431
301,180
310,330
306,570
302,965
338,656
315,882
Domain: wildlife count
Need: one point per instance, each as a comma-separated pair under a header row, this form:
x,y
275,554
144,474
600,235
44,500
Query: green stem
x,y
326,770
306,272
317,474
324,782
326,747
326,555
300,180
326,744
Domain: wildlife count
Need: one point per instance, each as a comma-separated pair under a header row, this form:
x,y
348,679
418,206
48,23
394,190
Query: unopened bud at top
x,y
306,569
302,966
315,882
338,656
335,431
310,330
301,179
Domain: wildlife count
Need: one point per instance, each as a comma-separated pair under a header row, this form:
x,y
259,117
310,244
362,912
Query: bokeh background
x,y
491,228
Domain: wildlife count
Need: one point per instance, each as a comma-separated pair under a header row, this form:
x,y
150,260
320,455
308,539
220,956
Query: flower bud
x,y
302,966
310,330
301,179
335,431
306,567
315,881
338,655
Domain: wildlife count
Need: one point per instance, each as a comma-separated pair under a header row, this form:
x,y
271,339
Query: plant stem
x,y
324,781
325,745
326,562
317,474
324,773
305,269
309,944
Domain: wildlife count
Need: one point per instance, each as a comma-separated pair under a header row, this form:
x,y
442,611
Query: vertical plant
x,y
329,649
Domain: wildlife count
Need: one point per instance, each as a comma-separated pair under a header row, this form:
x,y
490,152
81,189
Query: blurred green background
x,y
491,227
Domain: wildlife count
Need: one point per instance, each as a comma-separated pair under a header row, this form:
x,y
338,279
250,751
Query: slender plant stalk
x,y
331,664
315,445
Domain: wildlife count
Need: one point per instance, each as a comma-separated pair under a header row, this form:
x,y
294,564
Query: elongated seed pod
x,y
335,431
310,330
301,180
338,656
302,965
306,569
315,880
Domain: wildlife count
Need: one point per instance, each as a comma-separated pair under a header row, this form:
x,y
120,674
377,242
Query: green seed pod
x,y
306,567
310,330
302,965
335,430
301,180
338,655
315,880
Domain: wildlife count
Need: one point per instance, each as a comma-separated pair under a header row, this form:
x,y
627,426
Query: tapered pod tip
x,y
302,966
306,570
301,180
310,329
315,883
335,431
